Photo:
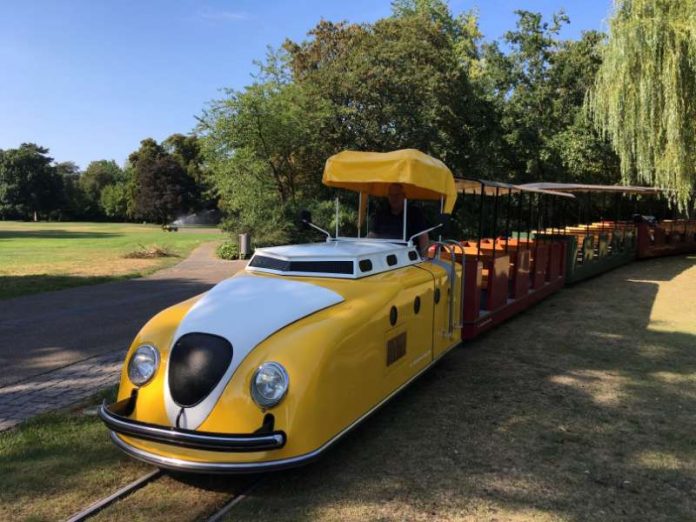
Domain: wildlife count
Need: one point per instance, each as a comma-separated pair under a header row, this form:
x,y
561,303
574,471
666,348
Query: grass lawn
x,y
581,408
35,257
57,464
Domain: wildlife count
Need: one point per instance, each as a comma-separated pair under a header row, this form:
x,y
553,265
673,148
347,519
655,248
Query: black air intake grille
x,y
196,365
326,267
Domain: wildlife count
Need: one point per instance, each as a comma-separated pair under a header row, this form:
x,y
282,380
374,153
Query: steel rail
x,y
235,499
126,490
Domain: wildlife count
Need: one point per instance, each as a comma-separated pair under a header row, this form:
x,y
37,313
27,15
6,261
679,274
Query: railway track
x,y
105,502
236,499
240,493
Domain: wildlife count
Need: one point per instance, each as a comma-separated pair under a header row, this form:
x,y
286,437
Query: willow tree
x,y
644,96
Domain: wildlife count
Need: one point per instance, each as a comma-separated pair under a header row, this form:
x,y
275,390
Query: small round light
x,y
143,364
269,384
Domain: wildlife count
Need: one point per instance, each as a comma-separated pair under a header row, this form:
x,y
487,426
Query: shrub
x,y
228,250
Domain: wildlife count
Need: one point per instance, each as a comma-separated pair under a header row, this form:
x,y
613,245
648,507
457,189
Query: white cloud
x,y
229,16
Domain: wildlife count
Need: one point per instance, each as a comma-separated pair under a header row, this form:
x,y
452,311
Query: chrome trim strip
x,y
207,467
271,465
209,442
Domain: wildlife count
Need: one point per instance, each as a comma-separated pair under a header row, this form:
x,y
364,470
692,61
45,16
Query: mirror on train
x,y
305,219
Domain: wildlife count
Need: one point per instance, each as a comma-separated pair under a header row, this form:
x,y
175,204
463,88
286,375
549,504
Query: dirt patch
x,y
149,252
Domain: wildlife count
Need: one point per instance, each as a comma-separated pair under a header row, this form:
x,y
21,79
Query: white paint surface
x,y
245,310
342,249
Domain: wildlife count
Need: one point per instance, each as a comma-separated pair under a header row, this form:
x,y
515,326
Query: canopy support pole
x,y
507,220
336,217
360,212
405,216
520,204
442,208
543,218
616,222
480,230
495,219
530,222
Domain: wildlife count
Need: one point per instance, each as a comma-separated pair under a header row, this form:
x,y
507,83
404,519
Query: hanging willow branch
x,y
644,97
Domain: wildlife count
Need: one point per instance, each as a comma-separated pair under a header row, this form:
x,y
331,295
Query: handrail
x,y
450,317
454,243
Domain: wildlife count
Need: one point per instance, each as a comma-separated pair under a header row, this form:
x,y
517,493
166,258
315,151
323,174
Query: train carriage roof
x,y
422,176
582,187
493,188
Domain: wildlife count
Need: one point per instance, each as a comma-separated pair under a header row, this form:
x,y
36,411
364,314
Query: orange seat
x,y
484,278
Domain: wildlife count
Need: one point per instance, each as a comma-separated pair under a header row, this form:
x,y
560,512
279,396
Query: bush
x,y
228,250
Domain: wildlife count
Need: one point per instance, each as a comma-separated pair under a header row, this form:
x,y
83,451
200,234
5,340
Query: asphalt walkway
x,y
60,347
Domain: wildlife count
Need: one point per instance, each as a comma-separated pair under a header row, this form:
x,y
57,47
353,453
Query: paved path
x,y
57,388
59,347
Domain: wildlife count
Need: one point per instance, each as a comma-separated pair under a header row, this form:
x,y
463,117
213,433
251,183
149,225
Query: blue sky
x,y
90,79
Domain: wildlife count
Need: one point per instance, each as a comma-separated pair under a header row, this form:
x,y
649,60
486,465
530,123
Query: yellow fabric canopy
x,y
422,176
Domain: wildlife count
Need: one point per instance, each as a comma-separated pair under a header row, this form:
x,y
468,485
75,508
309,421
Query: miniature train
x,y
271,367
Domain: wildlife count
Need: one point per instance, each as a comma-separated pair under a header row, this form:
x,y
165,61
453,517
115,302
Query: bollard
x,y
244,245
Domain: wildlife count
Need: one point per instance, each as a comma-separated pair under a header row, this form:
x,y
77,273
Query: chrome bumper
x,y
114,419
191,466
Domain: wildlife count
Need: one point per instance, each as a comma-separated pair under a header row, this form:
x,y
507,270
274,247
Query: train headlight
x,y
269,384
143,364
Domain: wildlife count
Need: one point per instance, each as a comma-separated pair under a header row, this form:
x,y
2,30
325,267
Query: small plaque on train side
x,y
396,348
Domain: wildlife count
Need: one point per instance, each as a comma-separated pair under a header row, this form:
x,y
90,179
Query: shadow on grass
x,y
575,410
14,286
54,234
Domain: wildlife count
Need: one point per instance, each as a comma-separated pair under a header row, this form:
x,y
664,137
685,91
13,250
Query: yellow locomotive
x,y
272,366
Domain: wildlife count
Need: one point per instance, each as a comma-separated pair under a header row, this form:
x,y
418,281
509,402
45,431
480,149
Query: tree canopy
x,y
400,82
644,96
162,187
30,186
97,176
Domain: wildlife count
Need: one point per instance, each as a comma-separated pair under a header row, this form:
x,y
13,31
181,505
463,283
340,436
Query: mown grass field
x,y
581,408
36,257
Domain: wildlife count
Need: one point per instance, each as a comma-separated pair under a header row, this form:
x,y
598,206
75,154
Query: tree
x,y
117,200
401,82
643,97
539,87
187,150
265,148
162,188
30,187
585,155
397,83
67,169
462,29
521,85
74,198
114,200
98,175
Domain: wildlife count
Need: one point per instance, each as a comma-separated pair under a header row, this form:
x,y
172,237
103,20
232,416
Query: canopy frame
x,y
482,188
372,173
